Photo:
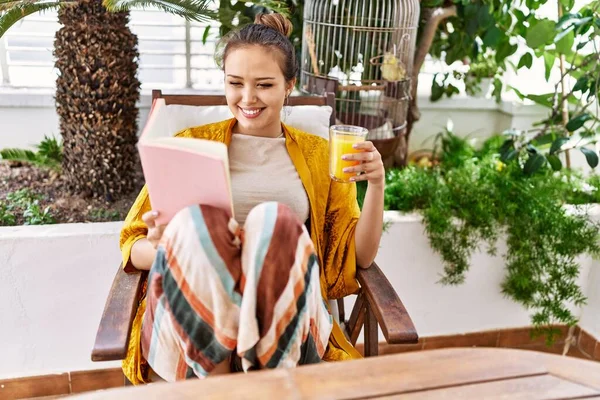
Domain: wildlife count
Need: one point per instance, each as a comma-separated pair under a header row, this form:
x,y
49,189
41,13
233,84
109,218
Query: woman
x,y
251,293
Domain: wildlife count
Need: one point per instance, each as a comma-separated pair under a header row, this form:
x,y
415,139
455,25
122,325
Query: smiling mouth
x,y
251,112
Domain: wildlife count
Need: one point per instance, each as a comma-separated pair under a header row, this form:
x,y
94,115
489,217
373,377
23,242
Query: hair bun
x,y
275,21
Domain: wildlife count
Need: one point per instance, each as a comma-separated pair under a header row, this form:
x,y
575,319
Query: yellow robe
x,y
334,214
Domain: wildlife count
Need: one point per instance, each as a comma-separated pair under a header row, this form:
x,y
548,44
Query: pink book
x,y
180,172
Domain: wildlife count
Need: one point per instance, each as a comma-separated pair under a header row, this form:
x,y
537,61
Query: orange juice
x,y
340,144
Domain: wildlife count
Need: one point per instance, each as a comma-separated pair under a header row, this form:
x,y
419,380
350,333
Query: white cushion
x,y
310,119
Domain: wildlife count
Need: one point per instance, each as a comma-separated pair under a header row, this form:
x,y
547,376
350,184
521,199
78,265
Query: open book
x,y
180,172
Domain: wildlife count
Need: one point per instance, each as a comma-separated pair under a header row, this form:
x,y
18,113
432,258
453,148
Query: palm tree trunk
x,y
96,94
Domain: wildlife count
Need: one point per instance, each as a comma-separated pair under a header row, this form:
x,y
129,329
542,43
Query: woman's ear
x,y
290,87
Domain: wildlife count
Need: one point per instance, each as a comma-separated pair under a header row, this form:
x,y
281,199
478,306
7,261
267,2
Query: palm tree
x,y
97,86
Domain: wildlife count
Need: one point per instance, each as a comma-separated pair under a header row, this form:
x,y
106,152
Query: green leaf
x,y
567,4
562,34
545,139
541,34
205,34
505,49
16,11
590,156
578,121
517,92
564,45
532,149
19,155
581,84
508,156
541,99
196,10
587,133
492,36
534,4
554,162
549,59
519,14
484,17
437,90
507,150
558,144
534,163
451,90
50,148
567,19
497,93
525,61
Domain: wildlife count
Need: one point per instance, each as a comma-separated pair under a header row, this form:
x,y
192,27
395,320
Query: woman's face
x,y
256,90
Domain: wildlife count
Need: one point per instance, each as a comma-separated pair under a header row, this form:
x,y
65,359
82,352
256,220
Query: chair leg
x,y
341,310
357,319
371,334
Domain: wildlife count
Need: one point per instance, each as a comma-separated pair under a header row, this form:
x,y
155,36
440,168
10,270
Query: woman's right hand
x,y
155,231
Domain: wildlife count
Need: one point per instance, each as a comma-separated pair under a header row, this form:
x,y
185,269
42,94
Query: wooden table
x,y
462,373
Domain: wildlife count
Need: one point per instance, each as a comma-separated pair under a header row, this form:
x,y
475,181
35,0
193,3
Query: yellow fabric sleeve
x,y
134,228
341,217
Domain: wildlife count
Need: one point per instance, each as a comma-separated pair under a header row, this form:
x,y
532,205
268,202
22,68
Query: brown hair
x,y
268,30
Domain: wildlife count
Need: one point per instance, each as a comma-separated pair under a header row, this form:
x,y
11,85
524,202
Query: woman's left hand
x,y
371,165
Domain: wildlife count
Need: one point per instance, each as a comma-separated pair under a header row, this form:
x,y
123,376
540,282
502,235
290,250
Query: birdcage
x,y
363,51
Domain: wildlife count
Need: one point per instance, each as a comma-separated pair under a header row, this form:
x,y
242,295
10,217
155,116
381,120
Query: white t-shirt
x,y
262,170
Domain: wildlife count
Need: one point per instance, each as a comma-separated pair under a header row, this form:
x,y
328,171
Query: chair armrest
x,y
389,311
120,309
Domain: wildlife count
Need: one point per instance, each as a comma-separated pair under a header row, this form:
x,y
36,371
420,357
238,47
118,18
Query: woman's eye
x,y
235,83
265,85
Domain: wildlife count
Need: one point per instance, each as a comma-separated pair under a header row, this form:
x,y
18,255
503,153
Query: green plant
x,y
48,154
471,198
483,67
101,214
22,197
26,204
6,217
34,215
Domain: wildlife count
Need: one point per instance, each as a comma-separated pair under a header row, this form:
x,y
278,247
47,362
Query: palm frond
x,y
50,148
29,157
197,10
18,155
12,12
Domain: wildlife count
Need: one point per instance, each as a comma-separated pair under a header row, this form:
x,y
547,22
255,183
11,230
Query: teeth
x,y
251,112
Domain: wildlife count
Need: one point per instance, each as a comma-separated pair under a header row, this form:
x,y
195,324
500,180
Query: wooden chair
x,y
377,303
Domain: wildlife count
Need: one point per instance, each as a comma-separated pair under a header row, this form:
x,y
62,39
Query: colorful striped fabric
x,y
215,289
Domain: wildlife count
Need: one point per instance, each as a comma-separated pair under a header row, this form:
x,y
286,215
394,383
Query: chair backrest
x,y
313,114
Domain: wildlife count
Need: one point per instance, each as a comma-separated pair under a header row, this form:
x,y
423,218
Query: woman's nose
x,y
248,95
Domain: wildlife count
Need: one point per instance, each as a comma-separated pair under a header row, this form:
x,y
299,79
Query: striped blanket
x,y
216,289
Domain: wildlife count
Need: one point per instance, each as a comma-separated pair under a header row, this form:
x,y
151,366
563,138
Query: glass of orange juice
x,y
341,139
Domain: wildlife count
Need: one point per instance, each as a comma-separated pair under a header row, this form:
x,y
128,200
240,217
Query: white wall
x,y
590,318
472,117
53,285
55,280
476,305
